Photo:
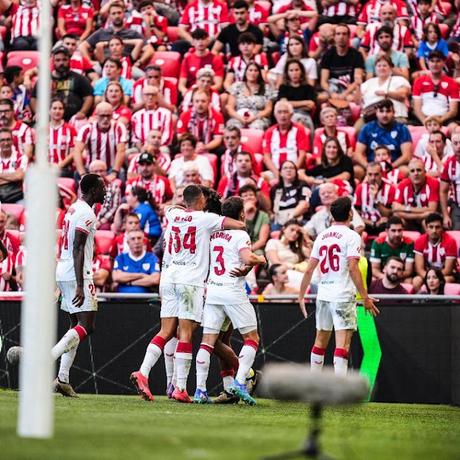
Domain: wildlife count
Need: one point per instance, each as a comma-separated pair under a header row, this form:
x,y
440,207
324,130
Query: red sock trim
x,y
207,347
318,351
227,373
341,353
251,343
159,341
81,331
184,347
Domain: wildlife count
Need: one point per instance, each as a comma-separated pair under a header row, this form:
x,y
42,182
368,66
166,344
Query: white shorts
x,y
68,288
340,315
181,301
242,316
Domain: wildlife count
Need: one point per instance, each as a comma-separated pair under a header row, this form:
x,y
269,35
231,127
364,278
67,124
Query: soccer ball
x,y
252,380
14,354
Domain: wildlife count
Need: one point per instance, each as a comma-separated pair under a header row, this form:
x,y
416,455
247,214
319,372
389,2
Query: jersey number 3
x,y
188,242
219,270
330,259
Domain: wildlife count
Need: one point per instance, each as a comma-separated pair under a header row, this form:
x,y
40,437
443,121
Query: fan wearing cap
x,y
436,93
158,186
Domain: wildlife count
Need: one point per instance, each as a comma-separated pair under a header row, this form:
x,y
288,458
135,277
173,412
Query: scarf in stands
x,y
201,128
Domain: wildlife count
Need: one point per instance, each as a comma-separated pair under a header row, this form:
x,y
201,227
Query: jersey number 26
x,y
330,259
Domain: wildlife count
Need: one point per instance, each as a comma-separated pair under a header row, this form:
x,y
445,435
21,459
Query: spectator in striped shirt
x,y
103,139
450,184
25,21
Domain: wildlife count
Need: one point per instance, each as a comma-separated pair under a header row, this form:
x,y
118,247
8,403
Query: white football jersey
x,y
333,248
223,289
187,237
79,216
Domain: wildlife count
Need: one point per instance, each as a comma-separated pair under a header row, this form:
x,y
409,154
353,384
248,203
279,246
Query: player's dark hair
x,y
433,217
8,102
144,196
272,271
440,275
396,258
240,4
232,207
394,220
296,246
191,194
340,209
213,200
11,72
247,188
89,182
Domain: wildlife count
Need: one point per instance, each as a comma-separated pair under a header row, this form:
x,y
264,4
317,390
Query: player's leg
x,y
168,353
324,324
228,359
345,323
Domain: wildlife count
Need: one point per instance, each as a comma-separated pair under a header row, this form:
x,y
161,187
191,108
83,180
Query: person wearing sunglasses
x,y
436,94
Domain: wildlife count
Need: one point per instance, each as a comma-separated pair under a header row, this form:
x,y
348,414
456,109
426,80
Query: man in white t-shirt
x,y
226,297
74,276
336,251
183,276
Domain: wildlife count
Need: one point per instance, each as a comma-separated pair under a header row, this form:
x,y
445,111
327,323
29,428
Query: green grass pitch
x,y
124,427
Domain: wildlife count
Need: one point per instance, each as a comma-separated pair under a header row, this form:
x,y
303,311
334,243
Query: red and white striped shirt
x,y
6,267
429,192
229,187
158,186
102,145
162,160
80,64
25,21
418,23
319,139
435,254
208,16
61,139
341,8
401,38
167,87
23,136
371,11
238,65
203,128
187,103
456,29
368,205
144,121
285,146
257,15
11,242
13,163
451,175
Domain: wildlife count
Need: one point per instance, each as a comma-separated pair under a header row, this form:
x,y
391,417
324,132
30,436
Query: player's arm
x,y
449,266
78,253
312,264
232,224
355,274
250,258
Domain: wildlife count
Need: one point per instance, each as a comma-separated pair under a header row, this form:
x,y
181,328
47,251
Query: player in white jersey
x,y
337,251
74,276
226,297
184,273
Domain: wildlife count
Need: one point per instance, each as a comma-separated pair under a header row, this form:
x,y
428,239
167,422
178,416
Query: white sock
x,y
227,381
152,354
203,359
246,360
183,362
65,365
317,359
69,341
168,354
341,361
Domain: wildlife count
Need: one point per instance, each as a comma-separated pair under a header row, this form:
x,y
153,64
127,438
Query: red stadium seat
x,y
25,59
412,234
455,234
169,61
173,33
16,210
446,8
174,97
355,111
408,287
416,133
252,140
104,239
444,28
213,160
452,289
266,5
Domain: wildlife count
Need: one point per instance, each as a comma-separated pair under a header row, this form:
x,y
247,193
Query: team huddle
x,y
207,254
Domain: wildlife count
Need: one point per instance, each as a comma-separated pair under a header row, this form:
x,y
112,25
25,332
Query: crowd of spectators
x,y
286,103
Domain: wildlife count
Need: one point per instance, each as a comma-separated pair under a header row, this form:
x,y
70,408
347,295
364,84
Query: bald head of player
x,y
92,188
341,210
233,207
194,198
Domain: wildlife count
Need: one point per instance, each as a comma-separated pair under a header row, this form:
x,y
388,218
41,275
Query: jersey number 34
x,y
177,242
